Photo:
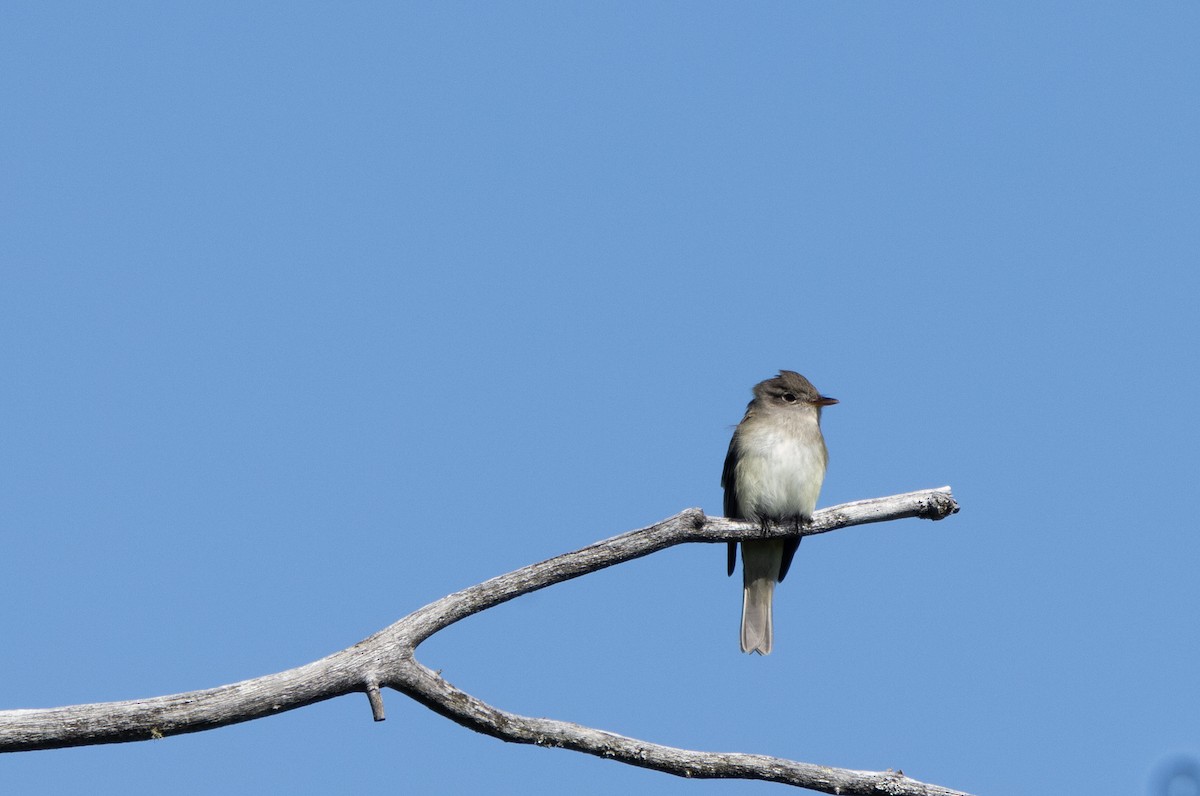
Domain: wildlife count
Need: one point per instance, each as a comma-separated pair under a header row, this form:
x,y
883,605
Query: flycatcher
x,y
773,474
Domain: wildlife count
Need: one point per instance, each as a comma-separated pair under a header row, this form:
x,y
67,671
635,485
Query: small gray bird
x,y
773,474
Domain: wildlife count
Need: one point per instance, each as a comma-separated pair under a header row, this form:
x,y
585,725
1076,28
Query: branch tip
x,y
376,700
941,505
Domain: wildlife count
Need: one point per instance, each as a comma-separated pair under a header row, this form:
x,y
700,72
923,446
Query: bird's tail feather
x,y
760,570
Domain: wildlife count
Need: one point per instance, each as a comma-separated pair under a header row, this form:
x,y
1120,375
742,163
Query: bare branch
x,y
387,659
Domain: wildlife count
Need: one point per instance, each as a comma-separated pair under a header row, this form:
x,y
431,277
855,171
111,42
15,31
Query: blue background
x,y
312,314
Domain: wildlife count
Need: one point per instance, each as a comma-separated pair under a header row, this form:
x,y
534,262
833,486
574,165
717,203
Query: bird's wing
x,y
729,484
790,544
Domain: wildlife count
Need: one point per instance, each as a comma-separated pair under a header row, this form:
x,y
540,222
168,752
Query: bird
x,y
773,474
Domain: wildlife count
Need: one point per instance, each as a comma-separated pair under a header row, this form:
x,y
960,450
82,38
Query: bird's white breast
x,y
781,468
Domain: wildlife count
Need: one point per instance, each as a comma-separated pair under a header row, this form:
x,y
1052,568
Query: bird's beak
x,y
825,401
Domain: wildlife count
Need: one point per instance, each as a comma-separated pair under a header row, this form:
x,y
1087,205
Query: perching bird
x,y
773,474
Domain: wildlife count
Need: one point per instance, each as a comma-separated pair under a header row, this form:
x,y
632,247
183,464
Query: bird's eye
x,y
789,397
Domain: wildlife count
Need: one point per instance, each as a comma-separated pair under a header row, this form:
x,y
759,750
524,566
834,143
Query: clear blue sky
x,y
311,314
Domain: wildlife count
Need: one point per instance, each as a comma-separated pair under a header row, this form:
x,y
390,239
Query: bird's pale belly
x,y
779,479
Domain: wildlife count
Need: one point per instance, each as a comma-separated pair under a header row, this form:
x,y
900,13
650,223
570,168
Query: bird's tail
x,y
760,570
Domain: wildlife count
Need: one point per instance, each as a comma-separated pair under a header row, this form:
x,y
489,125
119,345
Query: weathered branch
x,y
387,659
